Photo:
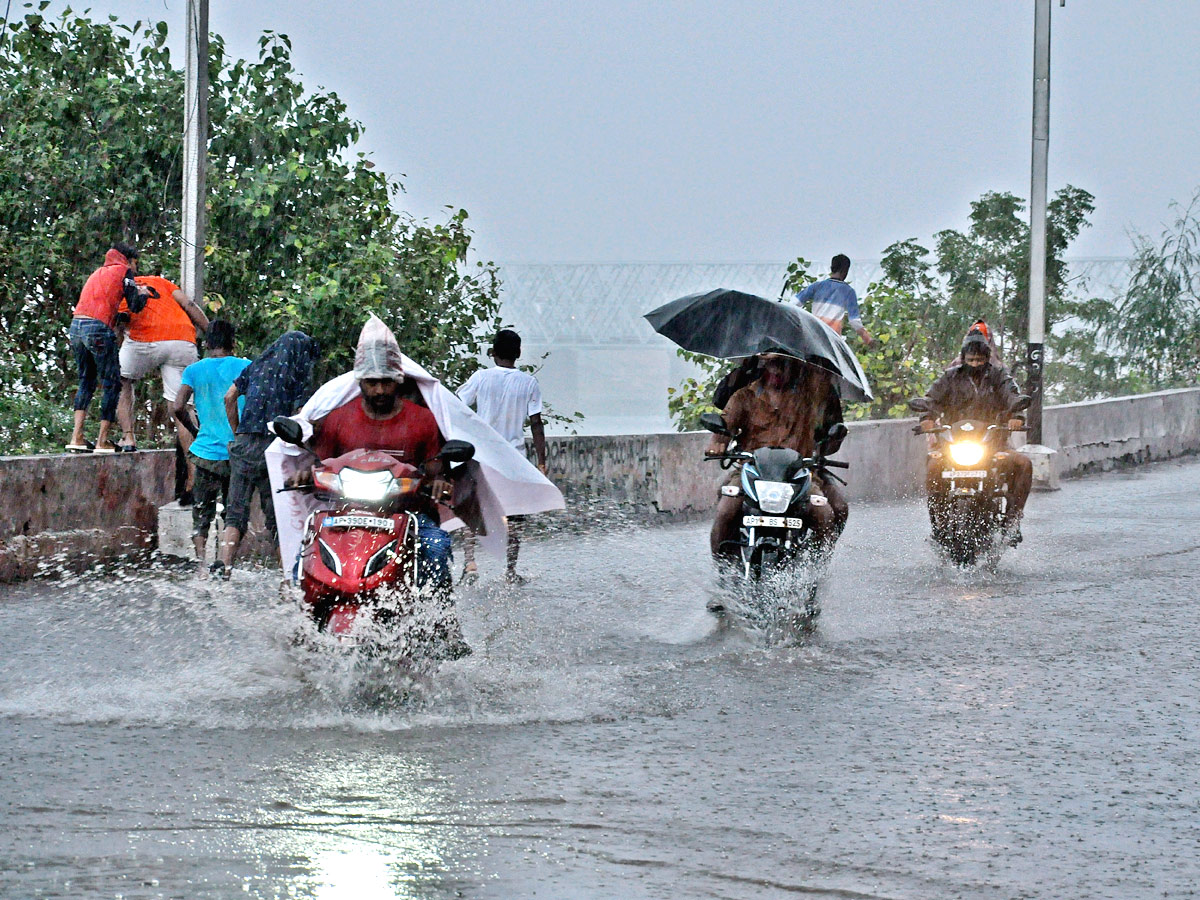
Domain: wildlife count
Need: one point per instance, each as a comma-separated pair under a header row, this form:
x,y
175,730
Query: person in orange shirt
x,y
162,336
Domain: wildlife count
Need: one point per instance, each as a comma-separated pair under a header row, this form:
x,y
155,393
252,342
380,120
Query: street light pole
x,y
195,151
1042,457
1037,215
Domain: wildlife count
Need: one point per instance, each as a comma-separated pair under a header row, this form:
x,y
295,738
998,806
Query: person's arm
x,y
533,411
469,392
1009,393
856,320
539,440
733,418
806,294
936,396
135,294
194,312
833,416
179,407
231,406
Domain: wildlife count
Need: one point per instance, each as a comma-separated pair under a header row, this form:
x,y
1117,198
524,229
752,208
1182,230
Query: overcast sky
x,y
728,131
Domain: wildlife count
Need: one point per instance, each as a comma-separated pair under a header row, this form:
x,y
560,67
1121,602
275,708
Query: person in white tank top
x,y
505,398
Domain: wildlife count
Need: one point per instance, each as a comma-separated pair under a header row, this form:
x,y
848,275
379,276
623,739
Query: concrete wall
x,y
71,510
65,511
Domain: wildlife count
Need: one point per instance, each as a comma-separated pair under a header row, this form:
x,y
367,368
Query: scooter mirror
x,y
1020,404
713,422
919,404
457,451
837,433
288,430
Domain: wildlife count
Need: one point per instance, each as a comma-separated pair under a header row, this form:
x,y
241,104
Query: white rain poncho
x,y
510,484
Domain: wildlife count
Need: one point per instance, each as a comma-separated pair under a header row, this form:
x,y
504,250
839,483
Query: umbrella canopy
x,y
730,324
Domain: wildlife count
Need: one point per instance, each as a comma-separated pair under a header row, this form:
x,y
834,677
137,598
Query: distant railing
x,y
601,304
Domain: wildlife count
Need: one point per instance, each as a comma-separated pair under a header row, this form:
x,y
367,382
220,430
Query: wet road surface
x,y
1031,732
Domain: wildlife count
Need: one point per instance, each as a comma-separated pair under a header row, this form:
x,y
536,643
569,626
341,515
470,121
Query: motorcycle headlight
x,y
774,496
966,453
370,487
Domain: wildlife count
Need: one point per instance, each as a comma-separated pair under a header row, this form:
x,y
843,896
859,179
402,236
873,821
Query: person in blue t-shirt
x,y
833,300
208,456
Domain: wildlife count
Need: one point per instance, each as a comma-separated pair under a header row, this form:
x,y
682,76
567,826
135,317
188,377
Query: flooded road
x,y
1032,732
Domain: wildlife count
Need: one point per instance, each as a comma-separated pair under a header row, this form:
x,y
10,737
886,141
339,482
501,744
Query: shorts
x,y
140,358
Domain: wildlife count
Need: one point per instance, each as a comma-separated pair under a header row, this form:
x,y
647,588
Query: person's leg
x,y
241,489
131,361
436,554
179,355
86,365
104,344
1018,472
470,569
824,519
204,507
935,490
515,524
125,412
725,527
838,505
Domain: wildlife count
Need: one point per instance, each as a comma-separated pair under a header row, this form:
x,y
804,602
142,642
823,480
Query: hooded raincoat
x,y
508,484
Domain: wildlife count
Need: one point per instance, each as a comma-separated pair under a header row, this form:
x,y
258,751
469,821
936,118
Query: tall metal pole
x,y
1037,216
195,151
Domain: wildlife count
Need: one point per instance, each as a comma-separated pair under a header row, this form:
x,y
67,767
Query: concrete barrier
x,y
67,511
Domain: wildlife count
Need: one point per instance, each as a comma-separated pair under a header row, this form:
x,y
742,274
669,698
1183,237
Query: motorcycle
x,y
776,538
360,556
968,519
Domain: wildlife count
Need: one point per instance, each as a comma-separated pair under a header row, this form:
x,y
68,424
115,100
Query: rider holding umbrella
x,y
793,405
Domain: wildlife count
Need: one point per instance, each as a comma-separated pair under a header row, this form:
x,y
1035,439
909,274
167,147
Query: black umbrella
x,y
729,324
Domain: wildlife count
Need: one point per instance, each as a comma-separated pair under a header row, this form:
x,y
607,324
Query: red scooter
x,y
361,554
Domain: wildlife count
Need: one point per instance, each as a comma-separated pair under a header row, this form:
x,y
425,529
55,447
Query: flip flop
x,y
127,448
105,450
85,447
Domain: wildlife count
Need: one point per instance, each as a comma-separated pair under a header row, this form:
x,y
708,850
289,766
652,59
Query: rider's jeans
x,y
435,553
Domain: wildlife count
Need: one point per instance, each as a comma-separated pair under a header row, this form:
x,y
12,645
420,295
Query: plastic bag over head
x,y
378,353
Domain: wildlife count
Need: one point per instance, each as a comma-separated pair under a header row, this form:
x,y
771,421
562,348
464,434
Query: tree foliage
x,y
302,233
1148,336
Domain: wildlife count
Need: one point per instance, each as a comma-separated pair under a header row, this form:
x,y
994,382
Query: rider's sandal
x,y
85,447
470,574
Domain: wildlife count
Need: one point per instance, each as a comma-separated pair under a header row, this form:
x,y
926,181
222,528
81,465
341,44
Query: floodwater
x,y
1031,732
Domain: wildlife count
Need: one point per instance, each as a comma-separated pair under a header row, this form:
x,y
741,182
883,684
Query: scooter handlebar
x,y
834,464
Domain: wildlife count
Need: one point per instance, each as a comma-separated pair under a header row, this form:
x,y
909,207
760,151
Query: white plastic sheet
x,y
511,485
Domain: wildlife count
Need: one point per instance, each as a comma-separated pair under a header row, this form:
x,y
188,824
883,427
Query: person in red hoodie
x,y
94,341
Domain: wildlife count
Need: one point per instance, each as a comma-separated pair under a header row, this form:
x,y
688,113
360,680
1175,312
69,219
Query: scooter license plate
x,y
771,522
964,473
376,523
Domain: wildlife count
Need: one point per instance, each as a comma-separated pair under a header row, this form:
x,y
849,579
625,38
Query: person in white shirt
x,y
505,397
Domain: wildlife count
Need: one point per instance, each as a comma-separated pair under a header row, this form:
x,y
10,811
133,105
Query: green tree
x,y
303,231
986,267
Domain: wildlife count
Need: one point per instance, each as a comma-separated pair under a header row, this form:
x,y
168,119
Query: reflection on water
x,y
369,831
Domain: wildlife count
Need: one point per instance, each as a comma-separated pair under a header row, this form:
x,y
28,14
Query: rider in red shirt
x,y
380,419
386,416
